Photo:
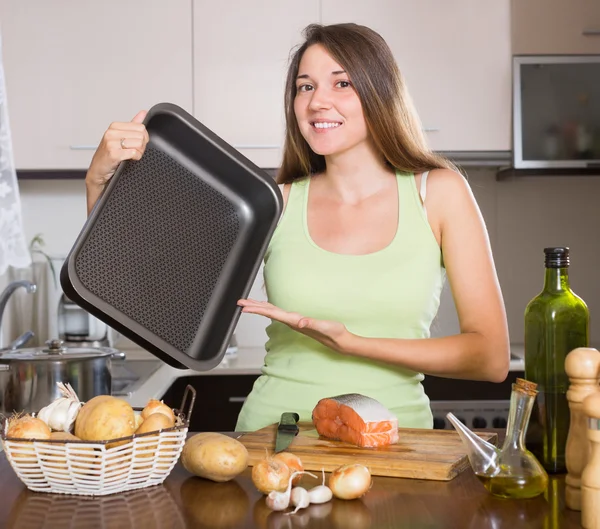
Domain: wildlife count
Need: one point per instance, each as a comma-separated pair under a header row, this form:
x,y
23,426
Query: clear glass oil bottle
x,y
556,322
511,471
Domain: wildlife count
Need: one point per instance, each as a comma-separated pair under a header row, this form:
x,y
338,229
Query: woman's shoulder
x,y
285,188
449,196
444,183
446,178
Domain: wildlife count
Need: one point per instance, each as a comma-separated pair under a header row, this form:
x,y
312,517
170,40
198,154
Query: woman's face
x,y
327,108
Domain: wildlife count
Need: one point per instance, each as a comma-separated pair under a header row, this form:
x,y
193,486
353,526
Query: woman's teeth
x,y
326,125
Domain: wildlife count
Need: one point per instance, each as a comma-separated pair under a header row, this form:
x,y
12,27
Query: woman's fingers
x,y
140,116
264,308
123,140
254,303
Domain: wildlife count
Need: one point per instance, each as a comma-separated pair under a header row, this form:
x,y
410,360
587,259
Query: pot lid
x,y
55,350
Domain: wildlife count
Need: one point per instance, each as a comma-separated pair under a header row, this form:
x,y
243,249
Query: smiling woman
x,y
373,223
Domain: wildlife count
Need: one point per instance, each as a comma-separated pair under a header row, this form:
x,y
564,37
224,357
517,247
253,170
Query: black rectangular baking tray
x,y
174,241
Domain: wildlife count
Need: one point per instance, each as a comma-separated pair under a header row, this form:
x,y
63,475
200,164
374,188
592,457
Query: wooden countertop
x,y
185,501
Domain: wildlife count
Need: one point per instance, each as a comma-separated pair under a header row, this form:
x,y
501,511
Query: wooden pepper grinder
x,y
582,365
590,478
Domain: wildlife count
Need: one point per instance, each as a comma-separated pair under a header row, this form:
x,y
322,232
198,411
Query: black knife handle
x,y
288,422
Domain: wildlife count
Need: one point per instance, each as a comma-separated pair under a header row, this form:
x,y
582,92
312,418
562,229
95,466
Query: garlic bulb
x,y
60,414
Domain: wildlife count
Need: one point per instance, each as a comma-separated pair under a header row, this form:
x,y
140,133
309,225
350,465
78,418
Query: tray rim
x,y
80,295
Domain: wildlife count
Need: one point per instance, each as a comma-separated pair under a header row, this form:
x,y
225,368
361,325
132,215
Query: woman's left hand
x,y
333,334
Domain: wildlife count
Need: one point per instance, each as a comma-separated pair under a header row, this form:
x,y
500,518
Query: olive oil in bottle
x,y
520,486
511,471
556,322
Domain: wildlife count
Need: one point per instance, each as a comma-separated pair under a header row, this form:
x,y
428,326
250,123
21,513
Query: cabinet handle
x,y
94,147
431,129
591,32
256,146
237,399
83,147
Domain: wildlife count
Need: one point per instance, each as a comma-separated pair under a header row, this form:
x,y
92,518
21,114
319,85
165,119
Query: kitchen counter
x,y
184,501
247,361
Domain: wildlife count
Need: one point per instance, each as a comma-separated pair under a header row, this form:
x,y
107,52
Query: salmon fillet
x,y
356,419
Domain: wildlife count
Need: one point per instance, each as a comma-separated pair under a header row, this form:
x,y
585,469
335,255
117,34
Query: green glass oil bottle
x,y
556,322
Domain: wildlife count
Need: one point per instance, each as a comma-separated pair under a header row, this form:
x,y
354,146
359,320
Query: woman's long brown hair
x,y
388,109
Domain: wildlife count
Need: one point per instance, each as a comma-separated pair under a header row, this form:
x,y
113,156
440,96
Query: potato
x,y
86,456
214,456
103,418
153,423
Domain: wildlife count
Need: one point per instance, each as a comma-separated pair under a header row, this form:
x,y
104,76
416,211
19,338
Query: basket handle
x,y
188,390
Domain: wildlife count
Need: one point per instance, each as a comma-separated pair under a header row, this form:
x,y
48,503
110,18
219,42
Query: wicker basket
x,y
92,468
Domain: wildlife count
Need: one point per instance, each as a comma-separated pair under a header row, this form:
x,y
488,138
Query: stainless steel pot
x,y
28,377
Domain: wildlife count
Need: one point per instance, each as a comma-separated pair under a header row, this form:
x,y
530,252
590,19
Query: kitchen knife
x,y
286,431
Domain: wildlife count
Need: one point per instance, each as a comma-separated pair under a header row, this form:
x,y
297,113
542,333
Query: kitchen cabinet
x,y
456,60
73,67
555,27
240,62
219,399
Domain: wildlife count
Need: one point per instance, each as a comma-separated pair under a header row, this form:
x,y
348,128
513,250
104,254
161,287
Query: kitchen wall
x,y
523,215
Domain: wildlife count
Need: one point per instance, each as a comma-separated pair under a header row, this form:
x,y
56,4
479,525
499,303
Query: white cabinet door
x,y
240,61
456,60
72,67
555,27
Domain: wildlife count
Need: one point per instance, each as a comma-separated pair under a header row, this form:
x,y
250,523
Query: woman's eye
x,y
343,84
304,88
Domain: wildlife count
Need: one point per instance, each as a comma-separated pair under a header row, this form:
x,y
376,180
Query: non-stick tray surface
x,y
174,241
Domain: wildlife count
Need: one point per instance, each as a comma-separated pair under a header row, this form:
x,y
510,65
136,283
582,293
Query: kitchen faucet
x,y
7,292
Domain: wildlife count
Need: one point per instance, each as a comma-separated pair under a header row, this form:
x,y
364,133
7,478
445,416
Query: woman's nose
x,y
321,99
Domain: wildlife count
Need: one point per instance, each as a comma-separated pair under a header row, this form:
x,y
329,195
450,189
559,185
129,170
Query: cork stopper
x,y
525,386
583,363
591,405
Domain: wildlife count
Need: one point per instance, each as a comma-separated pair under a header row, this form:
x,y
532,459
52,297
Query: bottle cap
x,y
557,257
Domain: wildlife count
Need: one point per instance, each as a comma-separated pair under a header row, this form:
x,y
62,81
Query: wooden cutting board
x,y
420,453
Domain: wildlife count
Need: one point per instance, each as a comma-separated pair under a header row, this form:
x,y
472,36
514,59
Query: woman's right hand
x,y
121,141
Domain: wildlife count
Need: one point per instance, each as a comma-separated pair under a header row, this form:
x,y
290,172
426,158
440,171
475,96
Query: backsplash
x,y
523,215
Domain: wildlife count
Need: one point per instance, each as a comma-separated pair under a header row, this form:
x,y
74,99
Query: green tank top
x,y
392,293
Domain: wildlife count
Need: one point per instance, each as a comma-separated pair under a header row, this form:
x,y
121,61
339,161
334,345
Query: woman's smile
x,y
322,126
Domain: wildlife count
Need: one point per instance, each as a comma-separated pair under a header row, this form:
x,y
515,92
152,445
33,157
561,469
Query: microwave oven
x,y
556,111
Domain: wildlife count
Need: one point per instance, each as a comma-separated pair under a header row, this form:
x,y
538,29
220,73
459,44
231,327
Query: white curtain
x,y
13,246
15,258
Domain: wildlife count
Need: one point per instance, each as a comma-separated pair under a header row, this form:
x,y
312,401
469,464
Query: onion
x,y
28,427
350,481
293,462
270,475
156,406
